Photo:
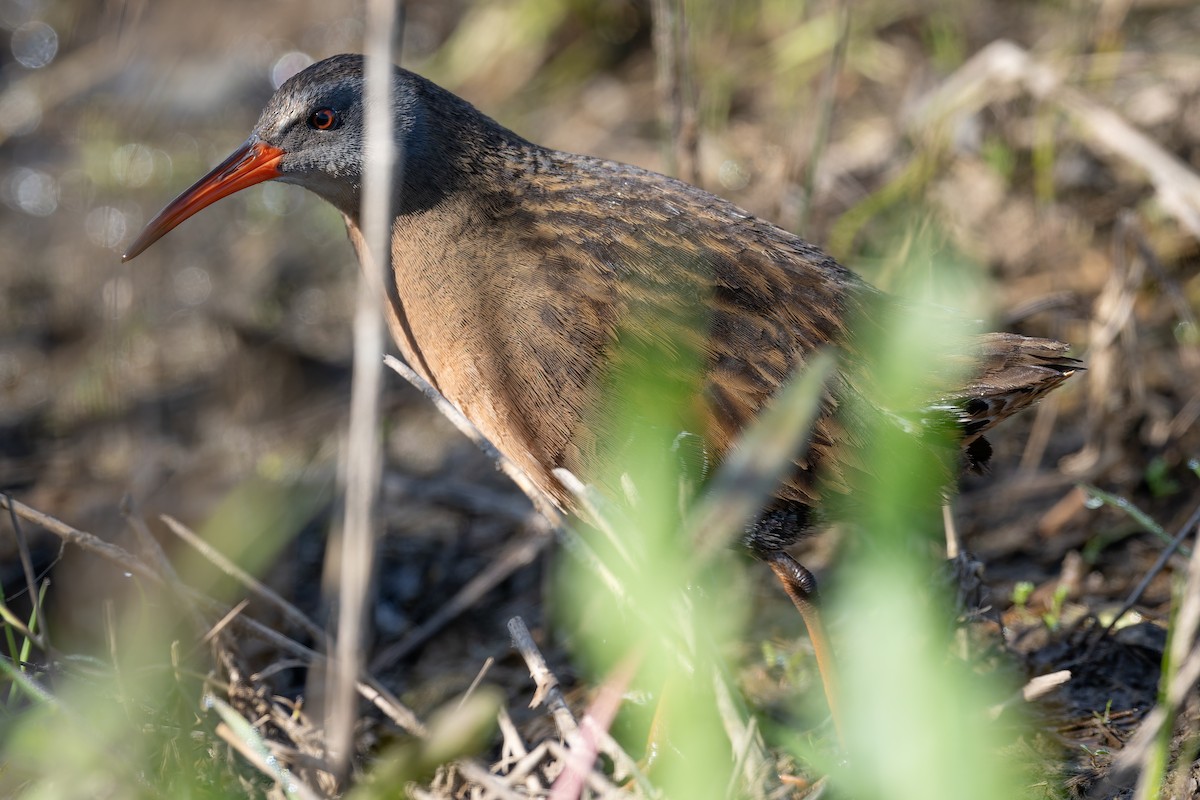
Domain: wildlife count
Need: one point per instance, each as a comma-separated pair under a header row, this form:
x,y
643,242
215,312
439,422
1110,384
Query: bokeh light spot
x,y
288,65
106,226
132,164
33,191
34,45
732,175
192,285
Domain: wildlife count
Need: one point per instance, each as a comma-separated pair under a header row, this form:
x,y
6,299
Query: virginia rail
x,y
516,269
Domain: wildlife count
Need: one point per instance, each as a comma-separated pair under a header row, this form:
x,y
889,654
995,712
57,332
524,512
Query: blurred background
x,y
209,379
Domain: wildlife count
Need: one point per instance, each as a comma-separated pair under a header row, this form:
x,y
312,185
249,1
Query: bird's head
x,y
311,133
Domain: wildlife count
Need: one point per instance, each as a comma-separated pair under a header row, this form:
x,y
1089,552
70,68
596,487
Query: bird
x,y
519,274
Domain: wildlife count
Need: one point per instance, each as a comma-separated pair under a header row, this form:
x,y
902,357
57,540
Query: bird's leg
x,y
801,586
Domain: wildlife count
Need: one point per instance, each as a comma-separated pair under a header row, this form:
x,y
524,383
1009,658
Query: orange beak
x,y
253,162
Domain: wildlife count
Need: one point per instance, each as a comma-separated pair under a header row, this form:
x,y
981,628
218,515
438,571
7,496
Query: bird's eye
x,y
324,119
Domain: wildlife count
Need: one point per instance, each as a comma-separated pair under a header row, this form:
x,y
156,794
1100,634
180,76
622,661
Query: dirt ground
x,y
1057,145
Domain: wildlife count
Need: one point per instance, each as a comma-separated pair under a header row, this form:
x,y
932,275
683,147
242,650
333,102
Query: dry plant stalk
x,y
676,89
354,549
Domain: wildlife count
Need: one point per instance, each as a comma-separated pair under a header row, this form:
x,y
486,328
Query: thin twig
x,y
226,620
390,705
487,665
1134,596
676,89
547,690
596,781
252,584
527,763
85,541
171,582
43,637
514,556
481,776
513,749
146,541
548,693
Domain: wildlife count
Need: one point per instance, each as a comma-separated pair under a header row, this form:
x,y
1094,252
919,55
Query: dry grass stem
x,y
353,546
676,89
953,541
1044,684
1044,418
512,748
43,638
494,786
751,761
546,683
292,787
1185,530
251,584
581,746
224,621
85,541
487,665
516,554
